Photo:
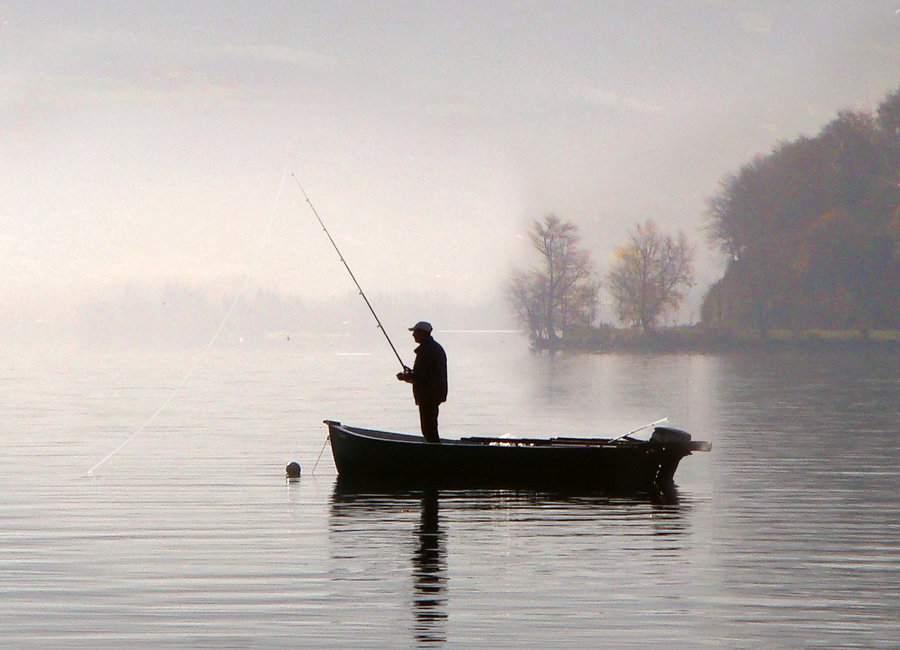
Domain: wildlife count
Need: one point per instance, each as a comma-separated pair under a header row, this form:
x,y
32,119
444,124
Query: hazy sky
x,y
147,141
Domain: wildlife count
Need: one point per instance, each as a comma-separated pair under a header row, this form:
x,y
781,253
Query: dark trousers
x,y
428,417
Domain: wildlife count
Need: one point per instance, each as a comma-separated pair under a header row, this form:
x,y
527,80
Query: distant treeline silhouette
x,y
177,315
182,316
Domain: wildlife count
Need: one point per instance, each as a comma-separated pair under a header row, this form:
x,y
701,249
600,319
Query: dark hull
x,y
365,456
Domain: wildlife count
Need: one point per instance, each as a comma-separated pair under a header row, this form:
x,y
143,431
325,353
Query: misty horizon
x,y
177,316
154,146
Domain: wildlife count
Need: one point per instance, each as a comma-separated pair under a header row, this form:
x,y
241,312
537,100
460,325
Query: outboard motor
x,y
669,434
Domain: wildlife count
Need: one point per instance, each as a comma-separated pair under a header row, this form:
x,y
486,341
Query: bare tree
x,y
651,276
562,292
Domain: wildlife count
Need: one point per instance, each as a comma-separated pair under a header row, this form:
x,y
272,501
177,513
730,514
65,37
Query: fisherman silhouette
x,y
428,377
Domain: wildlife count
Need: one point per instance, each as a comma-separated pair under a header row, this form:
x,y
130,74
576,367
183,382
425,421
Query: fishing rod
x,y
353,277
646,426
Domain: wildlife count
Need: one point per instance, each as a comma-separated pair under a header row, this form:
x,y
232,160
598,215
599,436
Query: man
x,y
428,378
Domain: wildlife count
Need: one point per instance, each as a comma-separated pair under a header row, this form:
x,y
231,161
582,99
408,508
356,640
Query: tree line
x,y
648,280
810,234
811,231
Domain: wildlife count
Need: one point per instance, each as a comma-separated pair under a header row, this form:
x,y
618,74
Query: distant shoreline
x,y
694,339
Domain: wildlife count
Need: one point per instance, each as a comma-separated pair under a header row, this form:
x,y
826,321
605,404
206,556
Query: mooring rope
x,y
324,444
214,337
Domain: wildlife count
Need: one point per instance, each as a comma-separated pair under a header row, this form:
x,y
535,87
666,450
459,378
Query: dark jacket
x,y
429,375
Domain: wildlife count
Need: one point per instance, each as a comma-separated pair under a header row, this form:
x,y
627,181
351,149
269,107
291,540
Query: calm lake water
x,y
786,535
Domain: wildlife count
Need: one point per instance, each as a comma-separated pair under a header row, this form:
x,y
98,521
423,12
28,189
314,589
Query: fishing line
x,y
214,337
353,277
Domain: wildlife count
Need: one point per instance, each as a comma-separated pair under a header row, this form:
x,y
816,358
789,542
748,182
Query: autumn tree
x,y
809,230
561,293
650,276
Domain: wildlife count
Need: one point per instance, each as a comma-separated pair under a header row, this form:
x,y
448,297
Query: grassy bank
x,y
700,339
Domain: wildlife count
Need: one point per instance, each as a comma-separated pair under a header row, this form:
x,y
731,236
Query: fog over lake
x,y
147,144
175,326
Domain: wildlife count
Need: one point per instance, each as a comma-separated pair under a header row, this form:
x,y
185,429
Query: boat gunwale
x,y
521,443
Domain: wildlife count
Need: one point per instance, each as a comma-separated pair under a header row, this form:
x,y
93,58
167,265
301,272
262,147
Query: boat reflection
x,y
369,525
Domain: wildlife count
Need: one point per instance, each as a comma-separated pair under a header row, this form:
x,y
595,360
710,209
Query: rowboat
x,y
619,465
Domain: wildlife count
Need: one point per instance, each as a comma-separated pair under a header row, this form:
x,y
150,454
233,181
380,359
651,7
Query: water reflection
x,y
807,492
362,519
394,545
430,575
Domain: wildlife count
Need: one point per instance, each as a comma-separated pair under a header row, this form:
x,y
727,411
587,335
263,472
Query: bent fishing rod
x,y
353,277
